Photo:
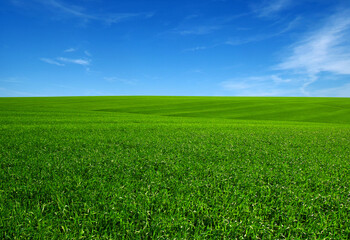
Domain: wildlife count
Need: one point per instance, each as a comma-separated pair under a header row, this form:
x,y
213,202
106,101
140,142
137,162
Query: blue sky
x,y
184,47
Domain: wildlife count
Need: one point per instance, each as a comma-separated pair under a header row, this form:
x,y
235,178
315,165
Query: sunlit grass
x,y
118,167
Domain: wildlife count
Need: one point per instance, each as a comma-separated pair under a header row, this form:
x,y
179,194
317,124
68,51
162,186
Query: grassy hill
x,y
328,110
174,167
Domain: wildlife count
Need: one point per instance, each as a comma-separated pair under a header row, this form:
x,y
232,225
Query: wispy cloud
x,y
262,37
120,17
269,8
326,49
62,9
241,41
70,50
342,91
236,41
62,61
247,82
277,79
198,30
51,61
87,53
5,92
197,25
79,61
67,9
196,49
11,80
238,85
269,85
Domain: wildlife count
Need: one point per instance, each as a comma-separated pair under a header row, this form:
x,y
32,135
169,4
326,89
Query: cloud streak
x,y
67,10
199,48
120,17
87,53
70,50
14,93
262,37
195,25
11,80
198,30
75,11
268,85
324,50
342,91
272,7
62,61
51,61
79,61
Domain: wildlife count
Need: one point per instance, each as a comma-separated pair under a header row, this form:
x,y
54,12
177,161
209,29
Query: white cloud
x,y
78,61
257,38
248,82
67,9
87,53
258,86
196,49
64,9
51,61
253,89
197,25
278,79
198,30
325,50
119,17
239,41
234,85
61,61
342,91
11,80
5,92
70,50
272,7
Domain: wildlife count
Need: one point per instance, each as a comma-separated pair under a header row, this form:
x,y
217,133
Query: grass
x,y
174,168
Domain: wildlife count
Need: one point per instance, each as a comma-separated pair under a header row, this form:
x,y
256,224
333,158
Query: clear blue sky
x,y
184,47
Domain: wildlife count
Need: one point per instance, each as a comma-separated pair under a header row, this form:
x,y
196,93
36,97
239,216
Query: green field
x,y
174,168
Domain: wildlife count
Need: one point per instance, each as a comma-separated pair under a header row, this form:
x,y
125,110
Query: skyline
x,y
192,48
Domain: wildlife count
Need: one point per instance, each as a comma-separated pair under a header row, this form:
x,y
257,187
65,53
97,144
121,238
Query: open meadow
x,y
174,168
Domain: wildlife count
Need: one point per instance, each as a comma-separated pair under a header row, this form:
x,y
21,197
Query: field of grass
x,y
174,168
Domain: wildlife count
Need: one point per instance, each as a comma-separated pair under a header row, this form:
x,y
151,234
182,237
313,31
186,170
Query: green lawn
x,y
174,168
